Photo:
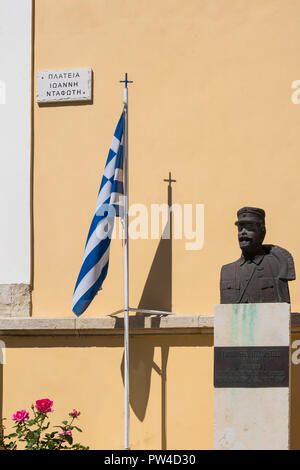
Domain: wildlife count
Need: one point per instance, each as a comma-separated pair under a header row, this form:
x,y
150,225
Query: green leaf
x,y
31,422
51,435
68,438
51,445
30,436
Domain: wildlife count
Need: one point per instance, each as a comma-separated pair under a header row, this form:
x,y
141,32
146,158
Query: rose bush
x,y
34,433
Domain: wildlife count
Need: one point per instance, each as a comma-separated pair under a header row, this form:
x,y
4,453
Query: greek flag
x,y
109,204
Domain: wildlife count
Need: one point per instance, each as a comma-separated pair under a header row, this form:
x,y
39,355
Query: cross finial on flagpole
x,y
126,80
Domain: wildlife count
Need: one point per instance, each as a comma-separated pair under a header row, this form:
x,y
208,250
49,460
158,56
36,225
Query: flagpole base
x,y
142,310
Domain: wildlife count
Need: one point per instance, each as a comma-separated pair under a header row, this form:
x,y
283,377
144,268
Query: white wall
x,y
15,120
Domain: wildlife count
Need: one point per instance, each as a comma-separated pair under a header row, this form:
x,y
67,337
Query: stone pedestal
x,y
251,376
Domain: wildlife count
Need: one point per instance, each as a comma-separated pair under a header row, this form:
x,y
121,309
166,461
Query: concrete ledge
x,y
110,325
107,325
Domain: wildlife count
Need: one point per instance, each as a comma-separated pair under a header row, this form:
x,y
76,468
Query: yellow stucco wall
x,y
171,387
212,104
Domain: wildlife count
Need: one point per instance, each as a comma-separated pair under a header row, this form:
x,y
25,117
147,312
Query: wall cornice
x,y
114,326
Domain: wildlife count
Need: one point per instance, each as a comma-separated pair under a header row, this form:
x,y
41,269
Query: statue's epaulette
x,y
287,266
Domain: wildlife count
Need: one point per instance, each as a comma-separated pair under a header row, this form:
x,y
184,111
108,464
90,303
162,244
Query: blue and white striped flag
x,y
109,204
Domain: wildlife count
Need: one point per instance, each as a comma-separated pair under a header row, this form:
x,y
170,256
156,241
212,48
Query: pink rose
x,y
63,433
74,413
20,416
44,405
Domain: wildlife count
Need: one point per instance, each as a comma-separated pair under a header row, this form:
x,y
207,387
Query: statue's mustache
x,y
243,238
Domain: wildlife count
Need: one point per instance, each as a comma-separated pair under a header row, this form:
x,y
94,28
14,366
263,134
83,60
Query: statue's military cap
x,y
250,214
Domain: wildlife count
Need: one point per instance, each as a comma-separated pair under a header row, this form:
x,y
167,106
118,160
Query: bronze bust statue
x,y
263,271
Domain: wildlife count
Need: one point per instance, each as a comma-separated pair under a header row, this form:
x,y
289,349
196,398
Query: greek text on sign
x,y
64,85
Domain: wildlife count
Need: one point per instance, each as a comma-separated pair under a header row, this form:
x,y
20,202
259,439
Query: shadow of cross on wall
x,y
156,295
157,292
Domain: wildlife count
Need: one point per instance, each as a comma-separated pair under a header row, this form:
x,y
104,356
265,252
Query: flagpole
x,y
126,275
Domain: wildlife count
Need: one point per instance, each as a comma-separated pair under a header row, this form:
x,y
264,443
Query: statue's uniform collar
x,y
257,259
